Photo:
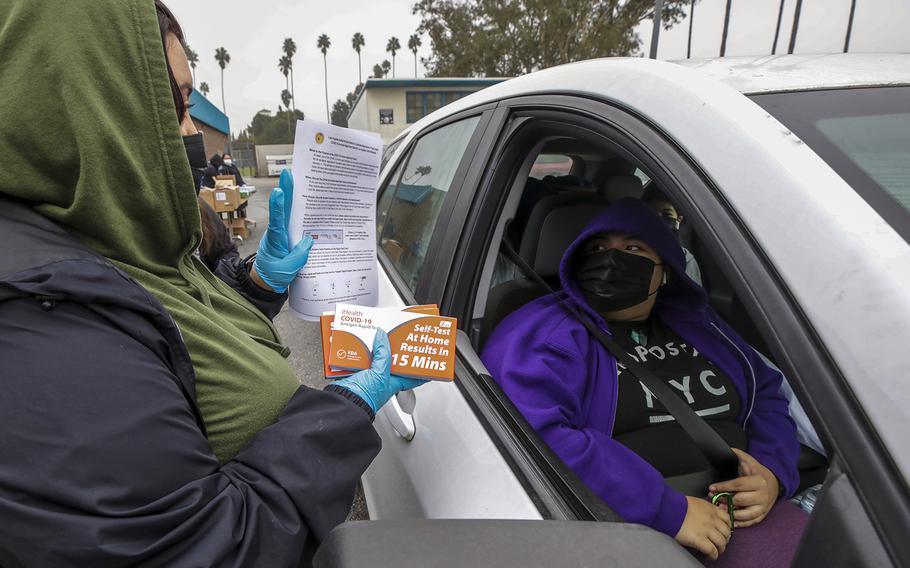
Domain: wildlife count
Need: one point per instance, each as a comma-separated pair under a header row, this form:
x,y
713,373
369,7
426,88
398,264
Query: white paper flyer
x,y
336,174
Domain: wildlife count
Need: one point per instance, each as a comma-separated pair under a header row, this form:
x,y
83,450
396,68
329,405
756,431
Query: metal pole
x,y
780,17
655,33
691,20
723,38
850,25
799,7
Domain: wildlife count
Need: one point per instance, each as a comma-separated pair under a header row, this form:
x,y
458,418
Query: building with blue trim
x,y
214,124
388,106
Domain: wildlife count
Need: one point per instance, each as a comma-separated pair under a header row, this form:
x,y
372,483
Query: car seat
x,y
554,223
622,186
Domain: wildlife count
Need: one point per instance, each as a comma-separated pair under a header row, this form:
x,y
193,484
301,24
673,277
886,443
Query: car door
x,y
437,459
865,496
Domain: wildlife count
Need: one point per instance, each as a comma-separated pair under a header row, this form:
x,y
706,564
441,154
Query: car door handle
x,y
401,414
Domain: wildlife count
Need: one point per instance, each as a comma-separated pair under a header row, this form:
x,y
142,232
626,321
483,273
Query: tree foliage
x,y
323,43
511,37
267,128
342,107
284,65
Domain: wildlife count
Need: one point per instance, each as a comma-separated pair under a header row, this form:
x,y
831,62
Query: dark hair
x,y
216,160
167,23
653,195
216,239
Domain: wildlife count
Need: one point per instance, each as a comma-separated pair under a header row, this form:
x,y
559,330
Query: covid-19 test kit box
x,y
422,341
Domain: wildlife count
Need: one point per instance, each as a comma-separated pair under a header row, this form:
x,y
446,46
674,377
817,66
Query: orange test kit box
x,y
423,345
325,326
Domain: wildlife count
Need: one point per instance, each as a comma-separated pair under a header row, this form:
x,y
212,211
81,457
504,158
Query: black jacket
x,y
221,256
103,455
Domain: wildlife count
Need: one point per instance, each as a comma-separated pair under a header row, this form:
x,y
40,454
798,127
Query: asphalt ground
x,y
301,336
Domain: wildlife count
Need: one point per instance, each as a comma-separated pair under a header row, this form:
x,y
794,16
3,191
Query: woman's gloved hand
x,y
276,263
377,384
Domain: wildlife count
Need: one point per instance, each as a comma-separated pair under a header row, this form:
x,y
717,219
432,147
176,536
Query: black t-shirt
x,y
643,424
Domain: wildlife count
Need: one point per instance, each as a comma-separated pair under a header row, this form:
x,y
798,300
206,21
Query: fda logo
x,y
342,354
445,324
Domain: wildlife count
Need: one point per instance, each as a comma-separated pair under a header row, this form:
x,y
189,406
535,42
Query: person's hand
x,y
706,528
756,491
276,263
377,384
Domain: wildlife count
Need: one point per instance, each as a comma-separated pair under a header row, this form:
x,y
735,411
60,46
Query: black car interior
x,y
555,207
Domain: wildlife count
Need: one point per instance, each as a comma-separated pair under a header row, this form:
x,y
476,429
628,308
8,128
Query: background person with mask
x,y
667,211
150,415
626,273
214,168
230,168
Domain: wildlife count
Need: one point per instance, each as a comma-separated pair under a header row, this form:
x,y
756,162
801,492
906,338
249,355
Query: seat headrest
x,y
551,230
619,187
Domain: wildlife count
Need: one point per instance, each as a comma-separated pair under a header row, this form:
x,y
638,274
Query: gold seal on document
x,y
320,137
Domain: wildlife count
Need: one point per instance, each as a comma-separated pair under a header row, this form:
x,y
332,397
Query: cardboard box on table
x,y
222,199
225,181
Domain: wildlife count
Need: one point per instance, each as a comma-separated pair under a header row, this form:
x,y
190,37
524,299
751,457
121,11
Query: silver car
x,y
793,174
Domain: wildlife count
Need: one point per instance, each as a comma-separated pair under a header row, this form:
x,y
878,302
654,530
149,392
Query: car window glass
x,y
408,223
880,145
640,174
385,198
863,134
389,152
551,164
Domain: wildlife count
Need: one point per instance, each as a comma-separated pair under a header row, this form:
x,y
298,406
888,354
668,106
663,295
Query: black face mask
x,y
613,280
195,153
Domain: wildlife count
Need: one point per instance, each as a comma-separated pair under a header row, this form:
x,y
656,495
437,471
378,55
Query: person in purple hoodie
x,y
626,272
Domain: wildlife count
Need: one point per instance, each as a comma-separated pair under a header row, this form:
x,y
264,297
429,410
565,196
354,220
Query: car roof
x,y
776,73
748,75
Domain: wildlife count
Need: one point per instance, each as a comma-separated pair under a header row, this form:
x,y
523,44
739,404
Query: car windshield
x,y
863,134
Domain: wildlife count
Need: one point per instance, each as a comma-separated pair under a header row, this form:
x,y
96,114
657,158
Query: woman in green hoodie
x,y
150,415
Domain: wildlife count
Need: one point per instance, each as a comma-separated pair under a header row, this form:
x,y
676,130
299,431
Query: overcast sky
x,y
253,33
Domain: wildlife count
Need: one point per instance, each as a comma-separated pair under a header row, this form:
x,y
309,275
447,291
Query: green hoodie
x,y
89,136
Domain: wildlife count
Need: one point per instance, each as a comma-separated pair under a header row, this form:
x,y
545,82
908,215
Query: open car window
x,y
542,217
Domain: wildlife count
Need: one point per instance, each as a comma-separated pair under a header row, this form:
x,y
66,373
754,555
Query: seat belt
x,y
711,444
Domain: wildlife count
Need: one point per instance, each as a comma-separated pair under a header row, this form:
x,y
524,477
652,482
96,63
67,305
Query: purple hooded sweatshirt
x,y
565,382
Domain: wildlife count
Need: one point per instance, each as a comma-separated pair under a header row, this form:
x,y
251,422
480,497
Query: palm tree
x,y
386,67
357,42
284,65
204,88
323,44
286,99
193,58
414,44
378,71
419,173
223,58
290,48
393,46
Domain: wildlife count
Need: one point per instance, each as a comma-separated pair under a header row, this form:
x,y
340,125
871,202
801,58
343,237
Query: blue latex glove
x,y
377,384
275,262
